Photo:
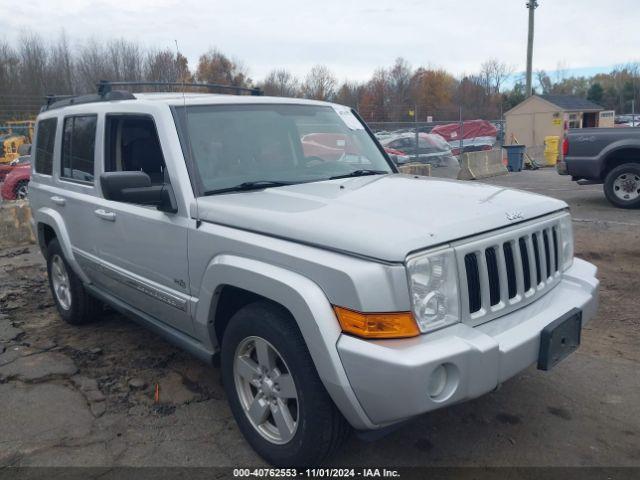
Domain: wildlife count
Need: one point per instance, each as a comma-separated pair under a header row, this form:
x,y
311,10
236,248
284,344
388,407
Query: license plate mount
x,y
559,339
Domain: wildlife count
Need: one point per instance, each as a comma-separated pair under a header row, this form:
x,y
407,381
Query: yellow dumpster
x,y
551,149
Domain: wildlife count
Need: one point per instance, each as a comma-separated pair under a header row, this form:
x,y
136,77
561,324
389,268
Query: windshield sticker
x,y
348,118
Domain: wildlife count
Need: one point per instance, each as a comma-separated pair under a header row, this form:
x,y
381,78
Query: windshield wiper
x,y
246,186
359,173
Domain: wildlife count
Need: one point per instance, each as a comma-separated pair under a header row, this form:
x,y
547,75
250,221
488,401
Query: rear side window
x,y
78,147
44,145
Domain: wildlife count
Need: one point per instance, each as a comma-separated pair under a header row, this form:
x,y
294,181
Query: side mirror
x,y
135,187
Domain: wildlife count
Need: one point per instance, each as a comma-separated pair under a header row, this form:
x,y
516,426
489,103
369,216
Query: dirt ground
x,y
85,396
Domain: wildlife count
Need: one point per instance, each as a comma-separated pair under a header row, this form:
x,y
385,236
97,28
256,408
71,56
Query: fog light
x,y
437,381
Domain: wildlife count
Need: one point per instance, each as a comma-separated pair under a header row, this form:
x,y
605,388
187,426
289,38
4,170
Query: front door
x,y
140,253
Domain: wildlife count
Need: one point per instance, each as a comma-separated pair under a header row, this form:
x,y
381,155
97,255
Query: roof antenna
x,y
184,86
186,121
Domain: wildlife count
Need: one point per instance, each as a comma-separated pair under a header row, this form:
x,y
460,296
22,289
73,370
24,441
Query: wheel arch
x,y
50,224
247,280
619,155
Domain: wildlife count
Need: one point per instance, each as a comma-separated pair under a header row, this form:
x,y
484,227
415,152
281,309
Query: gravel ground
x,y
84,396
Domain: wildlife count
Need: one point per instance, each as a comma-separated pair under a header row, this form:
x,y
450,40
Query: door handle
x,y
59,201
103,214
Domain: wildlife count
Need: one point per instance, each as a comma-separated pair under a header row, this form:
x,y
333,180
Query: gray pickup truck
x,y
605,155
336,292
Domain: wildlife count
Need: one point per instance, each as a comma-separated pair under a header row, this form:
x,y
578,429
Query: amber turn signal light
x,y
377,325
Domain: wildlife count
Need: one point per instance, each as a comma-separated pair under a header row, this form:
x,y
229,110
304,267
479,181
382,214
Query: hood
x,y
382,217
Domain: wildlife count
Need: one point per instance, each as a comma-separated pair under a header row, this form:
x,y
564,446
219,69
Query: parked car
x,y
432,149
477,135
610,156
336,293
5,168
398,156
16,182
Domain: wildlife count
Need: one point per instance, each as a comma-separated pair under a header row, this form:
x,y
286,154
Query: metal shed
x,y
540,116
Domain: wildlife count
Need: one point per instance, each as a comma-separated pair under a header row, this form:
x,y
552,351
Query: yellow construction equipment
x,y
17,133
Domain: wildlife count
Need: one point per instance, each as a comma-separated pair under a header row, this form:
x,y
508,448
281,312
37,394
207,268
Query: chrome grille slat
x,y
502,272
491,266
552,254
485,294
541,256
517,257
532,261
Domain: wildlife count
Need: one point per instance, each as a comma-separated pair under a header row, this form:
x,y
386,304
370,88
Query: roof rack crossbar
x,y
105,86
54,98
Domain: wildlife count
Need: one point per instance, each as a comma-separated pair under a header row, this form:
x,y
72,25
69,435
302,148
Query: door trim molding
x,y
165,295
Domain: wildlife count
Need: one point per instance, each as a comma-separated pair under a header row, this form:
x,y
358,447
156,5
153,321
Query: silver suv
x,y
276,234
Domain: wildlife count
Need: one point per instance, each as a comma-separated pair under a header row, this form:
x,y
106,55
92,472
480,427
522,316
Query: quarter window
x,y
44,145
78,147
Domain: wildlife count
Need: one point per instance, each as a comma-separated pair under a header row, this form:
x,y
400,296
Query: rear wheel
x,y
622,186
73,302
276,396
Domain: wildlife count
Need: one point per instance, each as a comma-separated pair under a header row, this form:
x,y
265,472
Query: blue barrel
x,y
515,157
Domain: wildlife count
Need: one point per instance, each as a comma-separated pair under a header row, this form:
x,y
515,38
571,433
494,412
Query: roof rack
x,y
105,86
107,93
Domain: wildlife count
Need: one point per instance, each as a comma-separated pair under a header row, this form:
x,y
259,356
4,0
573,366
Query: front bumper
x,y
390,378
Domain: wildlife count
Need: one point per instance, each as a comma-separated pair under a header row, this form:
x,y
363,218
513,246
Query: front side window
x,y
78,147
132,144
45,140
233,145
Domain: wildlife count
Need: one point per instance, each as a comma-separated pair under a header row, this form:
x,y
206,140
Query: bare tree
x,y
320,83
33,63
494,73
124,60
60,68
92,66
281,83
399,88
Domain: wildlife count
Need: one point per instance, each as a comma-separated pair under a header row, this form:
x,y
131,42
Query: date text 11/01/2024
x,y
315,473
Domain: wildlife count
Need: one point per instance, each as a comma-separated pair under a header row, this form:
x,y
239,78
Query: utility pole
x,y
531,5
415,120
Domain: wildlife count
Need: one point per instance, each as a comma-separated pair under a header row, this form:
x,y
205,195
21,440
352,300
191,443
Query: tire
x,y
320,429
623,181
21,190
74,304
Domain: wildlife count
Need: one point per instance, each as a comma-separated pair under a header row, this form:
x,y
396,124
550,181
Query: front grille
x,y
509,270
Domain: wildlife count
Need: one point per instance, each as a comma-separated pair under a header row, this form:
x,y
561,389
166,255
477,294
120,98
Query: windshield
x,y
235,145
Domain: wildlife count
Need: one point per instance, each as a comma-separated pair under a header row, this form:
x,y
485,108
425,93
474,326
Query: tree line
x,y
32,68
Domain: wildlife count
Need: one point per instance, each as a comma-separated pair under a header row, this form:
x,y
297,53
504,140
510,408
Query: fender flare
x,y
53,219
309,307
611,149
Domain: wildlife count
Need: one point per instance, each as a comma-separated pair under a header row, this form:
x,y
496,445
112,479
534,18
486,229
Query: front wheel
x,y
622,186
276,396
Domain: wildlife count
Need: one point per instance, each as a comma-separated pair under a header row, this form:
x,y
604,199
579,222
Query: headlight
x,y
566,241
433,284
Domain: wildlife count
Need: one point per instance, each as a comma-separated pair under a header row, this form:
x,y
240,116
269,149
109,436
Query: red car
x,y
5,168
16,183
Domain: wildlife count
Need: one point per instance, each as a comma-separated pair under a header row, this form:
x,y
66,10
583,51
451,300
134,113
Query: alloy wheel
x,y
60,281
266,390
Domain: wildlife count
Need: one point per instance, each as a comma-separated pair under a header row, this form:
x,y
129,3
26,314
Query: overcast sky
x,y
351,37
